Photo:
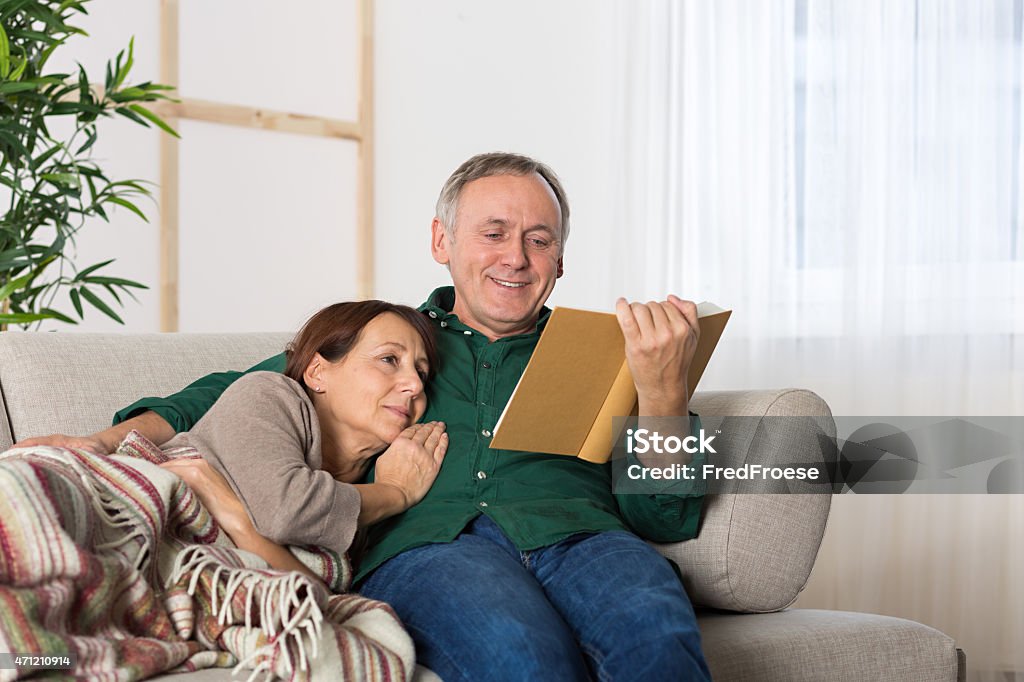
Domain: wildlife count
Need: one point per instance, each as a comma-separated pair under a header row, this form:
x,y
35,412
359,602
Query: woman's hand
x,y
215,494
222,503
411,463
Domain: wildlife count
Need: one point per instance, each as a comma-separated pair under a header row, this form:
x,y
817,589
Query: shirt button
x,y
481,475
468,333
443,323
483,504
486,433
486,365
432,314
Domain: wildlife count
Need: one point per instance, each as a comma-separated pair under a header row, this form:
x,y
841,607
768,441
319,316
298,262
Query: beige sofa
x,y
752,558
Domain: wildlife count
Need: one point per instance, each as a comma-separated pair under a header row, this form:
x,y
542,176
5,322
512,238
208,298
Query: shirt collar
x,y
439,304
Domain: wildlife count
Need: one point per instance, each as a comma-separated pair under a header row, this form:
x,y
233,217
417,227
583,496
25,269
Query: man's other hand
x,y
91,443
149,424
661,338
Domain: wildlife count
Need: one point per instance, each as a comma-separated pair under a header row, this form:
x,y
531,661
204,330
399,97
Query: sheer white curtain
x,y
846,175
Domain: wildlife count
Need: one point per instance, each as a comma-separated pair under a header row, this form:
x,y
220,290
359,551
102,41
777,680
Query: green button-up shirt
x,y
537,499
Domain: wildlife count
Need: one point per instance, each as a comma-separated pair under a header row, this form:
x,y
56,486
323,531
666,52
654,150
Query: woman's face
x,y
373,393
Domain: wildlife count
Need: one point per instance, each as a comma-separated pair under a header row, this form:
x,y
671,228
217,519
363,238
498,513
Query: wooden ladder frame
x,y
360,131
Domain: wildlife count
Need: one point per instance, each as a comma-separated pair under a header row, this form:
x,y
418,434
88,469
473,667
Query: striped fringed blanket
x,y
115,560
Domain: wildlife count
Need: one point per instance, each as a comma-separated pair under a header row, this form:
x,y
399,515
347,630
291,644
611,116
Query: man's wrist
x,y
151,425
663,406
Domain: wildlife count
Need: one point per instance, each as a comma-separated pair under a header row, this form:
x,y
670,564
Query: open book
x,y
578,379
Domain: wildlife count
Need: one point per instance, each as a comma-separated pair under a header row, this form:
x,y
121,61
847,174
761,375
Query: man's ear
x,y
439,241
561,270
314,374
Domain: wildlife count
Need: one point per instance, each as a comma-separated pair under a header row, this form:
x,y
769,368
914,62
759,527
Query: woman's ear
x,y
314,374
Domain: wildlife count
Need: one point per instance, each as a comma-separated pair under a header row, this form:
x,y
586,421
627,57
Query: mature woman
x,y
282,454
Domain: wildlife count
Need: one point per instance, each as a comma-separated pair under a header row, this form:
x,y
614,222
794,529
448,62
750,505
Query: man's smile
x,y
509,285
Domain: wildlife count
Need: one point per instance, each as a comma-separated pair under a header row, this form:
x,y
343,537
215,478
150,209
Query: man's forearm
x,y
663,406
666,417
149,424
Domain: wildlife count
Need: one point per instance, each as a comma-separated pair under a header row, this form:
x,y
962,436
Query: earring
x,y
319,389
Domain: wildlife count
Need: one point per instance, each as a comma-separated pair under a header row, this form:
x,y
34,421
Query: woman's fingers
x,y
426,431
410,431
433,435
442,447
421,434
178,466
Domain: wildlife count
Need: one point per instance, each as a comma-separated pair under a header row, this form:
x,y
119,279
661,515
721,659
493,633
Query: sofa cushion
x,y
754,553
73,383
807,644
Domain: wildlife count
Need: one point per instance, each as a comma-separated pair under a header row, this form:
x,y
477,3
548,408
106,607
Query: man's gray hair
x,y
497,163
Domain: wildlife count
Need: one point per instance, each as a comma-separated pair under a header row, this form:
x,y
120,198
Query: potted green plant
x,y
50,185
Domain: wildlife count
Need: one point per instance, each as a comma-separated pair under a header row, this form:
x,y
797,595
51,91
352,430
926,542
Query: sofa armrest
x,y
755,552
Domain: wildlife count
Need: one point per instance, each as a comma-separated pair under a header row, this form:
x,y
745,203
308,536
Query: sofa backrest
x,y
73,383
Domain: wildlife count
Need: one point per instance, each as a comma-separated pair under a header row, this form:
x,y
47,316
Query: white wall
x,y
459,77
453,78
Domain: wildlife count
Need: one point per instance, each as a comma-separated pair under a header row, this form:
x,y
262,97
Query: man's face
x,y
504,257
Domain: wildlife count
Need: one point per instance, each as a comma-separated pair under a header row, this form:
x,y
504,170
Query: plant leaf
x,y
12,87
48,51
124,111
15,284
114,280
98,303
23,318
122,72
77,302
91,269
156,120
57,315
19,69
129,205
45,156
88,143
69,179
5,54
32,35
113,292
133,184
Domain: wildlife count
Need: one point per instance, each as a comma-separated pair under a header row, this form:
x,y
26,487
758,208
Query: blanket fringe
x,y
300,618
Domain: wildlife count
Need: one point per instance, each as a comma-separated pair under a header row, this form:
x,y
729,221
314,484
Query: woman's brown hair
x,y
333,331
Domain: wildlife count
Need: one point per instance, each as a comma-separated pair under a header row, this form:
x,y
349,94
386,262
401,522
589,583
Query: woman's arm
x,y
262,437
258,437
222,503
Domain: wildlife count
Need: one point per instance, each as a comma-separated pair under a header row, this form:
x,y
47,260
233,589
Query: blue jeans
x,y
595,605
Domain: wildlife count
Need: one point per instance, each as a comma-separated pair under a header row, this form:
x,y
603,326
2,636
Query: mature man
x,y
517,565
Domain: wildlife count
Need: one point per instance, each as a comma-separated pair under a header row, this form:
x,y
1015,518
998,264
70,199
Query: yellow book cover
x,y
578,379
